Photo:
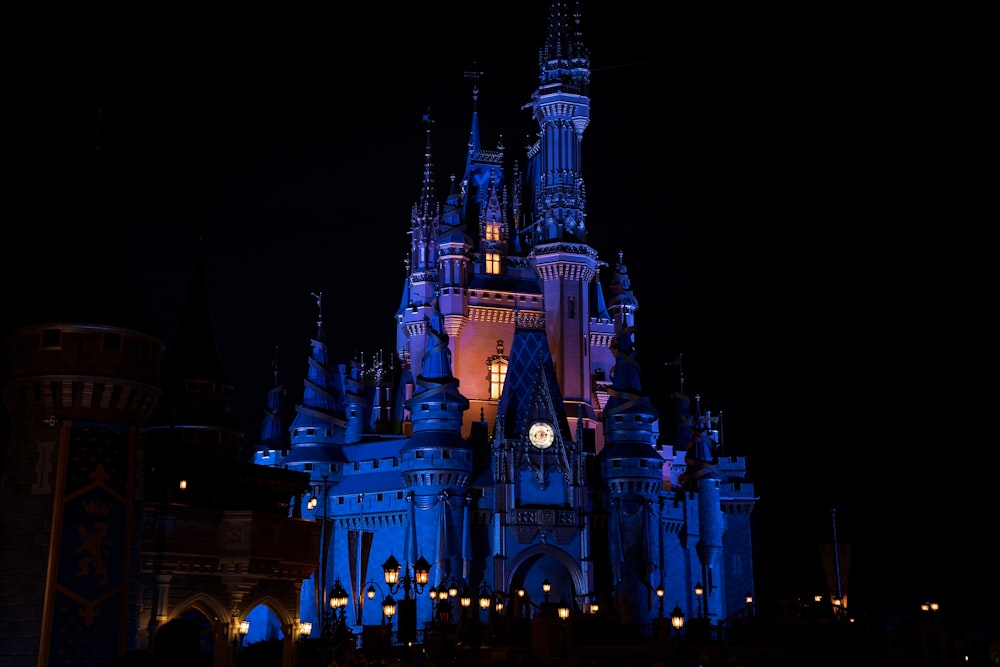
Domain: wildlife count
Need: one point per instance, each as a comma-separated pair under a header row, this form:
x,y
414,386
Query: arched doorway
x,y
532,569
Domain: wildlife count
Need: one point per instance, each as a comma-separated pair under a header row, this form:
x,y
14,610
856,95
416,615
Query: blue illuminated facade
x,y
504,322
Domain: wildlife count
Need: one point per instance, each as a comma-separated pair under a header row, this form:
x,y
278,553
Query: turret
x,y
317,431
436,463
271,444
631,472
436,457
566,266
420,289
701,474
80,380
561,106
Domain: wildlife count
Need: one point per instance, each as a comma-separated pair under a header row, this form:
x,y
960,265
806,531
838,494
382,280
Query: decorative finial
x,y
319,305
474,75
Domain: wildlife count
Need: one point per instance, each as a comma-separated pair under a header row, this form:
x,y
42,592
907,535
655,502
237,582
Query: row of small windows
x,y
508,297
620,419
375,465
617,463
52,339
445,454
379,497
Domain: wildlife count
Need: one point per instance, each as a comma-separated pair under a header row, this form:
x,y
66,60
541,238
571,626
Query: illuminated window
x,y
497,371
492,263
492,232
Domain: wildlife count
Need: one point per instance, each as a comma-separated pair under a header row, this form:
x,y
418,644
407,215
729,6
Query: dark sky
x,y
757,170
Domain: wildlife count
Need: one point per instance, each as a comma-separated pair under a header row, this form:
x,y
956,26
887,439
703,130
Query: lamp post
x,y
388,602
485,604
699,590
523,610
677,621
563,611
242,630
339,598
546,587
412,585
659,595
443,606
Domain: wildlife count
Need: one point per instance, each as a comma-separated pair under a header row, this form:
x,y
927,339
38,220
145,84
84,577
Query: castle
x,y
515,456
519,447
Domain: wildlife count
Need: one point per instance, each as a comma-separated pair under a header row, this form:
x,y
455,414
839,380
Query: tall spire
x,y
320,399
424,227
561,106
564,58
271,429
89,282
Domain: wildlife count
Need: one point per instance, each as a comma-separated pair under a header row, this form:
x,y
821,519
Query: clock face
x,y
541,435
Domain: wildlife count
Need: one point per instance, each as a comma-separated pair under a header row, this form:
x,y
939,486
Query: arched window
x,y
496,373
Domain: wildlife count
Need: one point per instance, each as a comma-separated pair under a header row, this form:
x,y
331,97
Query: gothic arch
x,y
218,621
207,605
521,563
285,618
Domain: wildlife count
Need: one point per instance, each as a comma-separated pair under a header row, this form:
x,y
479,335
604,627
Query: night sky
x,y
758,173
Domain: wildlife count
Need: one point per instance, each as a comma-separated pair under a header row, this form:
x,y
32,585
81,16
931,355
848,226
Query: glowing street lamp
x,y
677,620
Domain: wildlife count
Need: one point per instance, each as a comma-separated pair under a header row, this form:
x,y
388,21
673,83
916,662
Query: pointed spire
x,y
194,353
623,303
564,57
424,218
319,318
89,282
474,75
428,198
320,399
437,358
271,430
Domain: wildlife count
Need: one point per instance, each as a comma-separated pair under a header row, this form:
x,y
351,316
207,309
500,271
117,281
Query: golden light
x,y
389,606
305,628
420,571
390,568
677,618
